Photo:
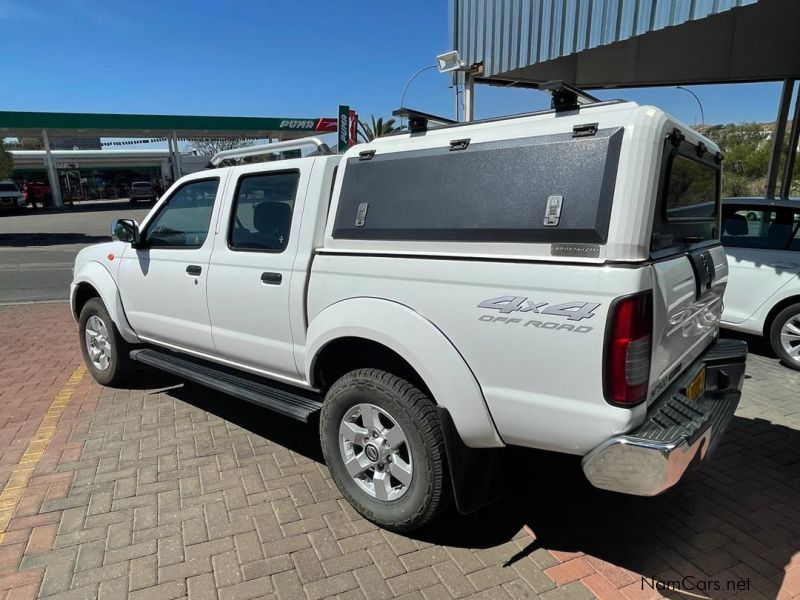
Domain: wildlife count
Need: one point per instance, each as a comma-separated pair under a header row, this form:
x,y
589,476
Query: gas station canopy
x,y
26,124
169,128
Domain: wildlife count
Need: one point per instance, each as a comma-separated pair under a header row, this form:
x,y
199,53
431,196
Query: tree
x,y
6,161
378,128
747,149
210,146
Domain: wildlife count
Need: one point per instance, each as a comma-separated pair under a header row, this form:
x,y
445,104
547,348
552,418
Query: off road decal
x,y
573,311
570,311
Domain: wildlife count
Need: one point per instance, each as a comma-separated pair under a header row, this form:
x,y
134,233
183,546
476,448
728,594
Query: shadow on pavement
x,y
91,206
302,438
109,205
20,240
735,520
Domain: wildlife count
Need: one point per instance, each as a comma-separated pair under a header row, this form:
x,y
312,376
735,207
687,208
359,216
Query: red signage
x,y
326,125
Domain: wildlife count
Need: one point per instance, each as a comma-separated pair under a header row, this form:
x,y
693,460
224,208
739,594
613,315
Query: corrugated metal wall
x,y
511,34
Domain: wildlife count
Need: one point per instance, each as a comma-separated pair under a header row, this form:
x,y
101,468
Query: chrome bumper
x,y
676,433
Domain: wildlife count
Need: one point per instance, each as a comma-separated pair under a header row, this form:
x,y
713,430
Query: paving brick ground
x,y
168,490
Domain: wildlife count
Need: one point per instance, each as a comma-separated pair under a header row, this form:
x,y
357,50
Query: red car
x,y
36,191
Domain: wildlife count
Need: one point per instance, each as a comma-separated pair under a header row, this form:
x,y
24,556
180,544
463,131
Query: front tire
x,y
784,336
104,351
384,447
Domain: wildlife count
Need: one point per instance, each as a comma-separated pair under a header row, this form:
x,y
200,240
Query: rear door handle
x,y
271,278
194,270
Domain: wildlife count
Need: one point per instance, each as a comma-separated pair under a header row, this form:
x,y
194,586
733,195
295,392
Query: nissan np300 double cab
x,y
551,280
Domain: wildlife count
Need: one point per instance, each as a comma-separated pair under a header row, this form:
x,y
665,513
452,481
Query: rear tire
x,y
104,351
384,447
784,336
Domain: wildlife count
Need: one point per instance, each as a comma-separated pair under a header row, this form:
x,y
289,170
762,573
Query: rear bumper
x,y
676,432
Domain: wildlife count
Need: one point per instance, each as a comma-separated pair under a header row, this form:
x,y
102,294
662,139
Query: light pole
x,y
700,104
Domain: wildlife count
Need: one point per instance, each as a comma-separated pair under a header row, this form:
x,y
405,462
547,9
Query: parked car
x,y
37,191
437,296
10,196
142,190
762,241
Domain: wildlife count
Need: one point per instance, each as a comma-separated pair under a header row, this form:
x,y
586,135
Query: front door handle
x,y
194,270
271,278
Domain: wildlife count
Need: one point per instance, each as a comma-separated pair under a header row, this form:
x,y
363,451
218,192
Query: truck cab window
x,y
262,212
184,220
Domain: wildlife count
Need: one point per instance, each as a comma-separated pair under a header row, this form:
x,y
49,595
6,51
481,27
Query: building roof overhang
x,y
635,43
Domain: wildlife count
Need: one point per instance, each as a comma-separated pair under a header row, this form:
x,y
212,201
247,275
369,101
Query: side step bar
x,y
298,404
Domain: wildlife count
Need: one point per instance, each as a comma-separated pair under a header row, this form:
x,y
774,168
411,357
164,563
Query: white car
x,y
142,190
10,196
762,241
551,280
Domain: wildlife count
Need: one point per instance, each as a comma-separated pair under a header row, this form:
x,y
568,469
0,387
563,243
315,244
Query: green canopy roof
x,y
14,123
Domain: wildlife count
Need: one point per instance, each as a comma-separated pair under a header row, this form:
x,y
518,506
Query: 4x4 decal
x,y
573,311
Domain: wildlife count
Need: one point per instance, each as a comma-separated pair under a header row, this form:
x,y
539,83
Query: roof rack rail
x,y
315,142
418,120
566,97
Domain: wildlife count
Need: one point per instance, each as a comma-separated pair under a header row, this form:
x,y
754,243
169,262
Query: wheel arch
x,y
777,308
397,333
93,280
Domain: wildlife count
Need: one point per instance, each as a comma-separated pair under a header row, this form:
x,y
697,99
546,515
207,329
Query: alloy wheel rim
x,y
98,345
790,337
375,452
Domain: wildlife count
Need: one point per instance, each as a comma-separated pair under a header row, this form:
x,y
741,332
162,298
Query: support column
x,y
52,173
177,156
469,96
173,169
777,138
791,156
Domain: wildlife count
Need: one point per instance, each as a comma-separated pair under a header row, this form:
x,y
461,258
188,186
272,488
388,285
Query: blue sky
x,y
282,58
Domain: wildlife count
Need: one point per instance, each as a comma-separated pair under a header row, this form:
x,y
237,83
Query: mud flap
x,y
476,473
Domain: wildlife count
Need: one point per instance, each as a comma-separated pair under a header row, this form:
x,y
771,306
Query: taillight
x,y
628,349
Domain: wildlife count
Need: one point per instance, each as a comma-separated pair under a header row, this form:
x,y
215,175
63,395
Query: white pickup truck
x,y
551,280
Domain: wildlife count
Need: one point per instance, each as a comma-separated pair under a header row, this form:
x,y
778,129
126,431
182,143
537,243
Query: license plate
x,y
698,385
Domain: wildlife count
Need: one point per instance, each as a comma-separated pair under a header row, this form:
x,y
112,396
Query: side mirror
x,y
125,230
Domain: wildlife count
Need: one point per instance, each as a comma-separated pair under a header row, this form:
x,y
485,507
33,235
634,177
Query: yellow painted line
x,y
21,477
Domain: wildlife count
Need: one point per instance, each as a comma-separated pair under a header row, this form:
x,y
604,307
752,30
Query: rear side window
x,y
262,214
688,199
759,227
691,190
488,192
